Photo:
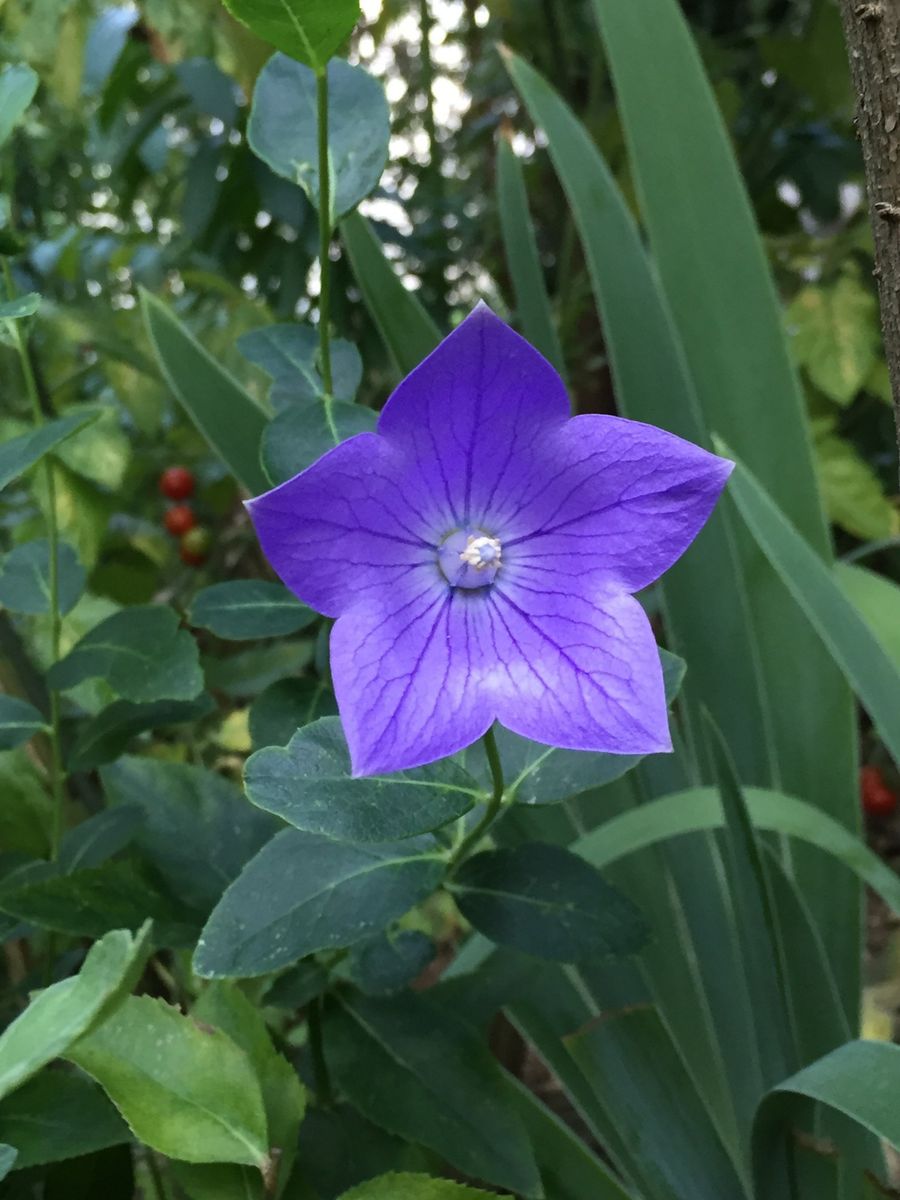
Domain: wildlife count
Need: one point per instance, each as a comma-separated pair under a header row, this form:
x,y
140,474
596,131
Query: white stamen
x,y
481,552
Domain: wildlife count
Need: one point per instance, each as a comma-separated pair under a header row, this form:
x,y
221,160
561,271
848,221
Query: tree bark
x,y
872,31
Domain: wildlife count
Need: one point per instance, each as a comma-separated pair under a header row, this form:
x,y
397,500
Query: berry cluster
x,y
177,484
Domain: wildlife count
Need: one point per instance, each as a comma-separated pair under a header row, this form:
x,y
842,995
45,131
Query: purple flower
x,y
480,552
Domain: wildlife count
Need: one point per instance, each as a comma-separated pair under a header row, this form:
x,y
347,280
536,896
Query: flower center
x,y
470,558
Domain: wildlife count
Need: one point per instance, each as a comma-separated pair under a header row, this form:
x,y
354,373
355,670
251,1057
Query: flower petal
x,y
621,501
576,672
343,526
469,416
409,667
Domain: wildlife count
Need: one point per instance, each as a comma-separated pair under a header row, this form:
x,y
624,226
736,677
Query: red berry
x,y
176,483
195,546
179,519
877,798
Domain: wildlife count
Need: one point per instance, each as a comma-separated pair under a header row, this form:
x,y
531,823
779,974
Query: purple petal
x,y
575,672
620,502
344,527
470,418
410,667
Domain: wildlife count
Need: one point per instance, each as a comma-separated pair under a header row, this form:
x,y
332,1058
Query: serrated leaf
x,y
308,30
65,1010
244,609
19,307
25,577
185,1091
544,900
19,721
107,735
141,653
197,829
417,1071
303,893
415,1187
58,1115
289,356
309,784
18,83
20,453
298,436
283,129
835,335
278,712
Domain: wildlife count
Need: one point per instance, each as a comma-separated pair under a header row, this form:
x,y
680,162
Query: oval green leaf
x,y
308,30
244,609
25,577
19,721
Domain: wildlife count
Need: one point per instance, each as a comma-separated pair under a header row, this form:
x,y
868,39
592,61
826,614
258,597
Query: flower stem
x,y
492,808
57,773
317,1052
324,230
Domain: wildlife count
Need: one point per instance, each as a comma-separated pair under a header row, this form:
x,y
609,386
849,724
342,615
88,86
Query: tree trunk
x,y
872,31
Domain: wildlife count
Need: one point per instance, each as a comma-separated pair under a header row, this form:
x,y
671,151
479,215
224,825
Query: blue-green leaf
x,y
18,83
19,721
244,609
300,435
25,577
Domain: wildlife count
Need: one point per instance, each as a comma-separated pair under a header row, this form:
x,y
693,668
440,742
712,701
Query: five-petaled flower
x,y
480,551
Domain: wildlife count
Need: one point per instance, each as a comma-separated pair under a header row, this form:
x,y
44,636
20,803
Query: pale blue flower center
x,y
470,558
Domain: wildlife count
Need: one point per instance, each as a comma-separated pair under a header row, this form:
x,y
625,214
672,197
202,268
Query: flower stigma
x,y
470,558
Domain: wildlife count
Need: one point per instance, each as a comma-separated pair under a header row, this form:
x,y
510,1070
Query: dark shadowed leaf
x,y
340,1148
65,1010
141,653
244,609
283,131
298,436
543,900
19,721
21,453
7,1160
415,1187
58,1115
25,577
99,838
103,738
298,985
278,712
308,783
389,962
185,1090
303,893
289,356
308,30
197,829
250,671
420,1073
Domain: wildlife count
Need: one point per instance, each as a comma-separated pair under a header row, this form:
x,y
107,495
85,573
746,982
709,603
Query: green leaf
x,y
19,454
107,735
298,985
848,639
877,600
244,609
227,416
7,1160
853,495
422,1074
25,577
278,712
19,721
389,962
250,671
186,1091
101,452
700,808
298,436
339,1149
537,774
522,259
27,811
303,893
64,1011
95,900
309,784
21,306
308,30
98,838
859,1079
543,900
405,327
414,1187
835,335
283,129
18,83
289,356
141,653
58,1115
197,830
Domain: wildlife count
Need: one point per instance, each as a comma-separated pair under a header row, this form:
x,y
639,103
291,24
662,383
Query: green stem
x,y
317,1051
57,774
324,230
492,808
